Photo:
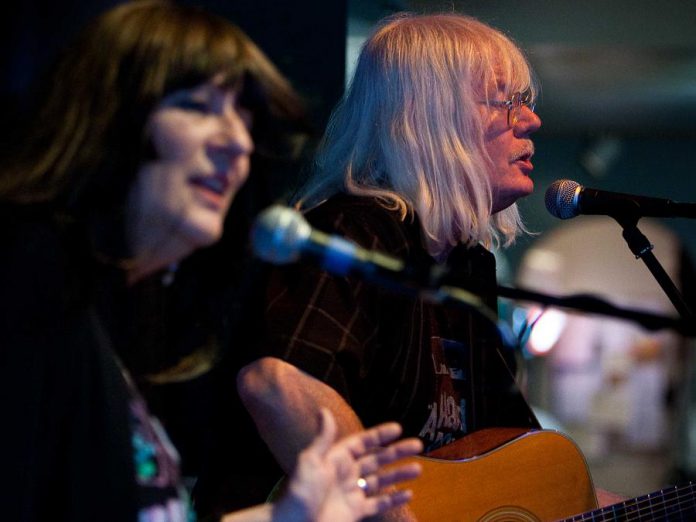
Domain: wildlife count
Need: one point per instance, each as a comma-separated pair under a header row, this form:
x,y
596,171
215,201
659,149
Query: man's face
x,y
510,150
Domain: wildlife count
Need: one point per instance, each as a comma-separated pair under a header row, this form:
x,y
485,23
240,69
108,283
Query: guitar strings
x,y
643,505
642,511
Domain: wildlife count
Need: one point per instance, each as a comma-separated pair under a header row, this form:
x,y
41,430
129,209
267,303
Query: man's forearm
x,y
284,403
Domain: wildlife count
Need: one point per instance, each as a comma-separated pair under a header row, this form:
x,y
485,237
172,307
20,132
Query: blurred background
x,y
618,105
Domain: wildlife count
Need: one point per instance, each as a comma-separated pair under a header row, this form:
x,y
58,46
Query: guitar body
x,y
537,476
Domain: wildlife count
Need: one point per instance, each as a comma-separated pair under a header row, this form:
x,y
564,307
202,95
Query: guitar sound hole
x,y
509,514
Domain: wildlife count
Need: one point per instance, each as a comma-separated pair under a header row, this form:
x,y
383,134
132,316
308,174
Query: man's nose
x,y
527,122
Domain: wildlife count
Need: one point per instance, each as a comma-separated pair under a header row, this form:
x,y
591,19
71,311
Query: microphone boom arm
x,y
642,248
595,305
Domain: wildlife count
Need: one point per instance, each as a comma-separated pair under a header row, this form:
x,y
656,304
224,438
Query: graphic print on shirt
x,y
156,469
447,420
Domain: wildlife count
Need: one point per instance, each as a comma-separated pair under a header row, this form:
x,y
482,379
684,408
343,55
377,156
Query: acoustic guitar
x,y
514,474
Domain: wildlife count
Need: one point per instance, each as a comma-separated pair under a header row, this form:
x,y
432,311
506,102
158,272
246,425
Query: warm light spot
x,y
546,329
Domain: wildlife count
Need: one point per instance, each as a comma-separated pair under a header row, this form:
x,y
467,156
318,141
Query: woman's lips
x,y
218,184
212,188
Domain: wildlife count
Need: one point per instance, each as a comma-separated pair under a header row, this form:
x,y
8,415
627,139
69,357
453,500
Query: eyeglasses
x,y
514,105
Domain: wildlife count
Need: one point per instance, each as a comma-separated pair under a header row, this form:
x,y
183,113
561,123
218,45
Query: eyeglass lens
x,y
519,100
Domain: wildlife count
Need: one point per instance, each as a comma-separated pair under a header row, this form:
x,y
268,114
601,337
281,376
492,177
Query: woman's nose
x,y
236,131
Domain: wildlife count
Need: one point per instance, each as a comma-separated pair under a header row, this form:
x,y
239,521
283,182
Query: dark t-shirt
x,y
439,370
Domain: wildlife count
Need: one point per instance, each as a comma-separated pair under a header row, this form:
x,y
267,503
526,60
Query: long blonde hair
x,y
409,132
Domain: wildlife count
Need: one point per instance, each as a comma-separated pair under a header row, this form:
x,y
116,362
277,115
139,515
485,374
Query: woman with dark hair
x,y
141,142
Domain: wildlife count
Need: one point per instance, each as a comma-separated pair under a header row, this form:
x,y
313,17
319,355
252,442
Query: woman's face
x,y
179,200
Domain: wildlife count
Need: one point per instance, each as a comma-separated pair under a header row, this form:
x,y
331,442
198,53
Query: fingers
x,y
361,442
372,461
327,433
385,501
382,434
373,437
374,448
376,482
379,492
398,450
395,498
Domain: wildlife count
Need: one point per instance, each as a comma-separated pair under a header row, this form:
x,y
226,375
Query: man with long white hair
x,y
423,159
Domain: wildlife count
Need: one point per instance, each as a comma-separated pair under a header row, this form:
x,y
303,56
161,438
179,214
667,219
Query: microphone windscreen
x,y
279,234
560,198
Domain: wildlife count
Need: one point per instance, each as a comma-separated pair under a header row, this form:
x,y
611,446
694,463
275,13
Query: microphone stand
x,y
595,305
460,297
642,248
453,296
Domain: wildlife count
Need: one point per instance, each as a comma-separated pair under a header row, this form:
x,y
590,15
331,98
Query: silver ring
x,y
362,484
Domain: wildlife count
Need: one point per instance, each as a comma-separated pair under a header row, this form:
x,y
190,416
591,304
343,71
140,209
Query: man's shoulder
x,y
367,221
345,208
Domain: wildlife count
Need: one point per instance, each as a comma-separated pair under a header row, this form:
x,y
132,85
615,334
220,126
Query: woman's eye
x,y
193,105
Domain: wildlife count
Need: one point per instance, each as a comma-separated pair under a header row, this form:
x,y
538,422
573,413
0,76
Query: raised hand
x,y
348,480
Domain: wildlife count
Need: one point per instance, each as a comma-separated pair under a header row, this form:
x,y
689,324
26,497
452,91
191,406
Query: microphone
x,y
281,235
565,199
